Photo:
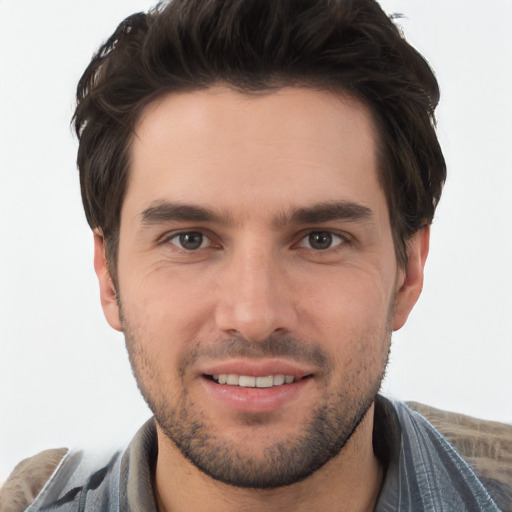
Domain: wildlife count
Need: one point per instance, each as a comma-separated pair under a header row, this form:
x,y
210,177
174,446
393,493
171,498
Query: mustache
x,y
275,345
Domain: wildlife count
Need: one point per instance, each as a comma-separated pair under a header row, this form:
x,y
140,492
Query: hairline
x,y
273,86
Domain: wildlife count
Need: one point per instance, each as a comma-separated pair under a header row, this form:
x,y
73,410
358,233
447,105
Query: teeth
x,y
278,380
233,380
247,381
264,382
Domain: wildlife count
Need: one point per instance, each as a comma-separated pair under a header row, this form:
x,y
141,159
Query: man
x,y
260,178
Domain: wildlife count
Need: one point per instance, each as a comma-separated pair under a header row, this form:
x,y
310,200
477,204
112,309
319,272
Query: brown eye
x,y
190,241
321,240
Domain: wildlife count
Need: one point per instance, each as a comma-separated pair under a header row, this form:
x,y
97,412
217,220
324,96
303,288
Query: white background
x,y
64,375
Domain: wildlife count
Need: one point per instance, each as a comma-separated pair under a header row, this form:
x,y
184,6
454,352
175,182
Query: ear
x,y
411,278
107,289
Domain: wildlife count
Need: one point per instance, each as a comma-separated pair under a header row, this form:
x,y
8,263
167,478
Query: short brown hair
x,y
350,46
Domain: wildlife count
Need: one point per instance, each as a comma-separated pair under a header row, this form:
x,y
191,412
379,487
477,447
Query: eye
x,y
321,240
190,240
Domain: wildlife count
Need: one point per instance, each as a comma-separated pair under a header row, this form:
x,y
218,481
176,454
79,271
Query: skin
x,y
254,161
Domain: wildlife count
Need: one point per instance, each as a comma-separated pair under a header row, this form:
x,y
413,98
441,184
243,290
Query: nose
x,y
255,297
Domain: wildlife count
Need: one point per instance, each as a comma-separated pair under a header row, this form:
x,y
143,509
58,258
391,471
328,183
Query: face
x,y
258,285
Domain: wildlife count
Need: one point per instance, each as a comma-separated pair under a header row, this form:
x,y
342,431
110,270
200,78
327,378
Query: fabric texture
x,y
424,472
485,445
28,478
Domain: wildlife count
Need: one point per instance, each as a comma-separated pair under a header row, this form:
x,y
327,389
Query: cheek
x,y
165,315
153,348
348,302
352,321
162,298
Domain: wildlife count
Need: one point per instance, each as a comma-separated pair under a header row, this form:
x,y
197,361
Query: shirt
x,y
424,473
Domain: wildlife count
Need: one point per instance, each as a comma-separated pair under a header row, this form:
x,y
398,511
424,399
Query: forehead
x,y
220,147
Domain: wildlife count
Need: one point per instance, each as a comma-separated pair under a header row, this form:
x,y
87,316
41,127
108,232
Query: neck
x,y
349,482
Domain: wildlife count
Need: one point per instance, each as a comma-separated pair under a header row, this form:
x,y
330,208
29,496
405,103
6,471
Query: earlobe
x,y
412,276
108,293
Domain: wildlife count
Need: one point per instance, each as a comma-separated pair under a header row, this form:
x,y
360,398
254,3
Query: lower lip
x,y
255,400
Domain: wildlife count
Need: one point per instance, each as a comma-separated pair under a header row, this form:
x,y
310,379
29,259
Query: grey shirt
x,y
423,472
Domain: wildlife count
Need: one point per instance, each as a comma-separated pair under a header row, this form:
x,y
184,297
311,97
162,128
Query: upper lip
x,y
257,368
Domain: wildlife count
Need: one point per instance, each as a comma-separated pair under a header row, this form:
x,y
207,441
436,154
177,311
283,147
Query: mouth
x,y
256,386
250,381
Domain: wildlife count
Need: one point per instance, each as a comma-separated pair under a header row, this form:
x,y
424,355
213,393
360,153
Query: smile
x,y
247,381
264,392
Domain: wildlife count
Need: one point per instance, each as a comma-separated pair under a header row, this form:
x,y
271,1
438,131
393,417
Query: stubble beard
x,y
331,425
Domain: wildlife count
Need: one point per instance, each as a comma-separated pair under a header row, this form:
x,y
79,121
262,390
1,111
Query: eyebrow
x,y
325,212
165,211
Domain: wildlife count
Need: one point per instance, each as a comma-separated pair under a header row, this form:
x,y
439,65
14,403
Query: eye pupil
x,y
320,240
191,241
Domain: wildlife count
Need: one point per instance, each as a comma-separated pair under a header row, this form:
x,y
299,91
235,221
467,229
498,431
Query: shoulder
x,y
28,478
485,445
67,478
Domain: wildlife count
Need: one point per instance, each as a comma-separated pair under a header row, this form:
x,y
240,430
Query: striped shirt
x,y
424,472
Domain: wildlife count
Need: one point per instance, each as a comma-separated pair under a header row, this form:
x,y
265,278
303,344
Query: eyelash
x,y
176,236
343,238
